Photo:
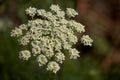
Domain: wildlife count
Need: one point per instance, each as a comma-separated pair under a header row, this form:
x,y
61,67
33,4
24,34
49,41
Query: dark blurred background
x,y
99,62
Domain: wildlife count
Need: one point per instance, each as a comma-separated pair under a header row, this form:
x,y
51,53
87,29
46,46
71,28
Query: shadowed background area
x,y
99,62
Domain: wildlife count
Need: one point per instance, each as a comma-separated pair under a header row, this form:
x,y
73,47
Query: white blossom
x,y
71,12
53,66
73,39
36,50
66,45
41,59
57,45
76,26
59,57
49,53
24,40
41,12
16,32
23,27
74,54
25,54
55,8
60,14
86,40
31,11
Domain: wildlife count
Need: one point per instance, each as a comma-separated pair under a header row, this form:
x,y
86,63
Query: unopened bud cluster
x,y
49,35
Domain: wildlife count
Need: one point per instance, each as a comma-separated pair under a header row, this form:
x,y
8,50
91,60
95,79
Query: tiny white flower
x,y
41,59
86,40
60,57
74,54
23,27
25,54
36,50
73,39
35,43
76,26
60,14
16,32
31,11
80,28
71,12
66,45
53,66
58,45
55,8
63,22
41,12
24,40
50,16
49,53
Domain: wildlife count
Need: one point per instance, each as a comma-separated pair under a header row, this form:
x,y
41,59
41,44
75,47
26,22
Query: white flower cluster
x,y
86,40
49,35
31,11
25,54
53,66
71,12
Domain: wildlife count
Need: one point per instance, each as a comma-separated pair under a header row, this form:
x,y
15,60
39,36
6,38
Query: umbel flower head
x,y
49,34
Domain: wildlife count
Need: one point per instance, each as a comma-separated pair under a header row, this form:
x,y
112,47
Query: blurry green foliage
x,y
114,72
101,45
84,69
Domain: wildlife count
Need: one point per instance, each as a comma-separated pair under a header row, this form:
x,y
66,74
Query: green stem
x,y
51,76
